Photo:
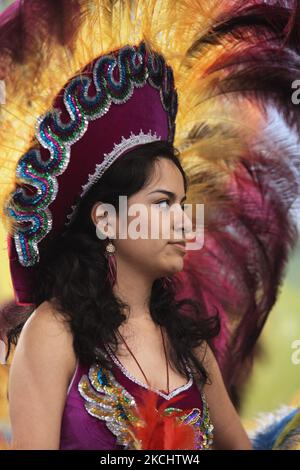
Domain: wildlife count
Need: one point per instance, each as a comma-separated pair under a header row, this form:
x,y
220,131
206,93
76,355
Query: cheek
x,y
152,251
152,222
152,256
140,249
160,223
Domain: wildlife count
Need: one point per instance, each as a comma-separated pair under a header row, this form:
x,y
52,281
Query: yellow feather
x,y
170,27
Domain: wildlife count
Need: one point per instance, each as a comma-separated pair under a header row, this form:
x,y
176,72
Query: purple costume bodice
x,y
92,420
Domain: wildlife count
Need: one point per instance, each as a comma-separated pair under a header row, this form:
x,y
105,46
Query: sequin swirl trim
x,y
109,158
135,66
106,399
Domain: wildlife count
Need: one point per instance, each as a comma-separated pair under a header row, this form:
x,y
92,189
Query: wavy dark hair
x,y
72,275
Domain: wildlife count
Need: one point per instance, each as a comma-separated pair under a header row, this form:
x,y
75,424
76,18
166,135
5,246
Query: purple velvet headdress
x,y
118,102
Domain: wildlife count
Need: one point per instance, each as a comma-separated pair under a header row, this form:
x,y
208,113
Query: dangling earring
x,y
110,248
111,260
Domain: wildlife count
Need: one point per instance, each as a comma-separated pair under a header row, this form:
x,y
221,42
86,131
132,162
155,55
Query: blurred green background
x,y
4,4
275,380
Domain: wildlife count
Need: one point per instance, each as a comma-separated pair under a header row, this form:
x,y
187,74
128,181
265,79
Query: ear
x,y
104,217
97,212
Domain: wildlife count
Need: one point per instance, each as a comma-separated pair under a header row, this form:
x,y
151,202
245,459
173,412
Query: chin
x,y
176,267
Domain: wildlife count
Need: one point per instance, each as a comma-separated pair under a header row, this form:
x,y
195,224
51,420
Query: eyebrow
x,y
168,193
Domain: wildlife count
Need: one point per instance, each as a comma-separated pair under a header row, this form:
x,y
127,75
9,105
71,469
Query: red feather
x,y
157,430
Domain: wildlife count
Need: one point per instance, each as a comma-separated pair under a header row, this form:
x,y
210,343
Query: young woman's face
x,y
156,254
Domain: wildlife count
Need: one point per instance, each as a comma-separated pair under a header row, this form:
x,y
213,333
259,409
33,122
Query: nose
x,y
182,223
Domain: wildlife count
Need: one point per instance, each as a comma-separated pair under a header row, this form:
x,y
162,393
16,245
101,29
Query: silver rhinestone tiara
x,y
109,158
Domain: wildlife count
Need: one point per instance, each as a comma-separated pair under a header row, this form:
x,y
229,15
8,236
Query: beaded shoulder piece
x,y
106,399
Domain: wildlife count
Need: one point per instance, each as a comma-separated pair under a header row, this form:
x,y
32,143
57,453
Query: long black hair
x,y
72,274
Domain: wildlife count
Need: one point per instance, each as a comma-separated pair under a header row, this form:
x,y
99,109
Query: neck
x,y
134,288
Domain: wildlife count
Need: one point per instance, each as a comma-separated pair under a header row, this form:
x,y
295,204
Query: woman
x,y
95,317
110,131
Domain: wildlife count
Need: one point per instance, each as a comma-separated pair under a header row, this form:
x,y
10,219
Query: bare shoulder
x,y
47,333
46,319
46,314
42,365
205,354
228,429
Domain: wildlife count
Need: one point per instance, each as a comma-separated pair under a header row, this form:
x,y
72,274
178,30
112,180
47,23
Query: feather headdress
x,y
237,126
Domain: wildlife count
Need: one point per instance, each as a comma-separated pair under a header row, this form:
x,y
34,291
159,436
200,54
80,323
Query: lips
x,y
182,243
179,246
